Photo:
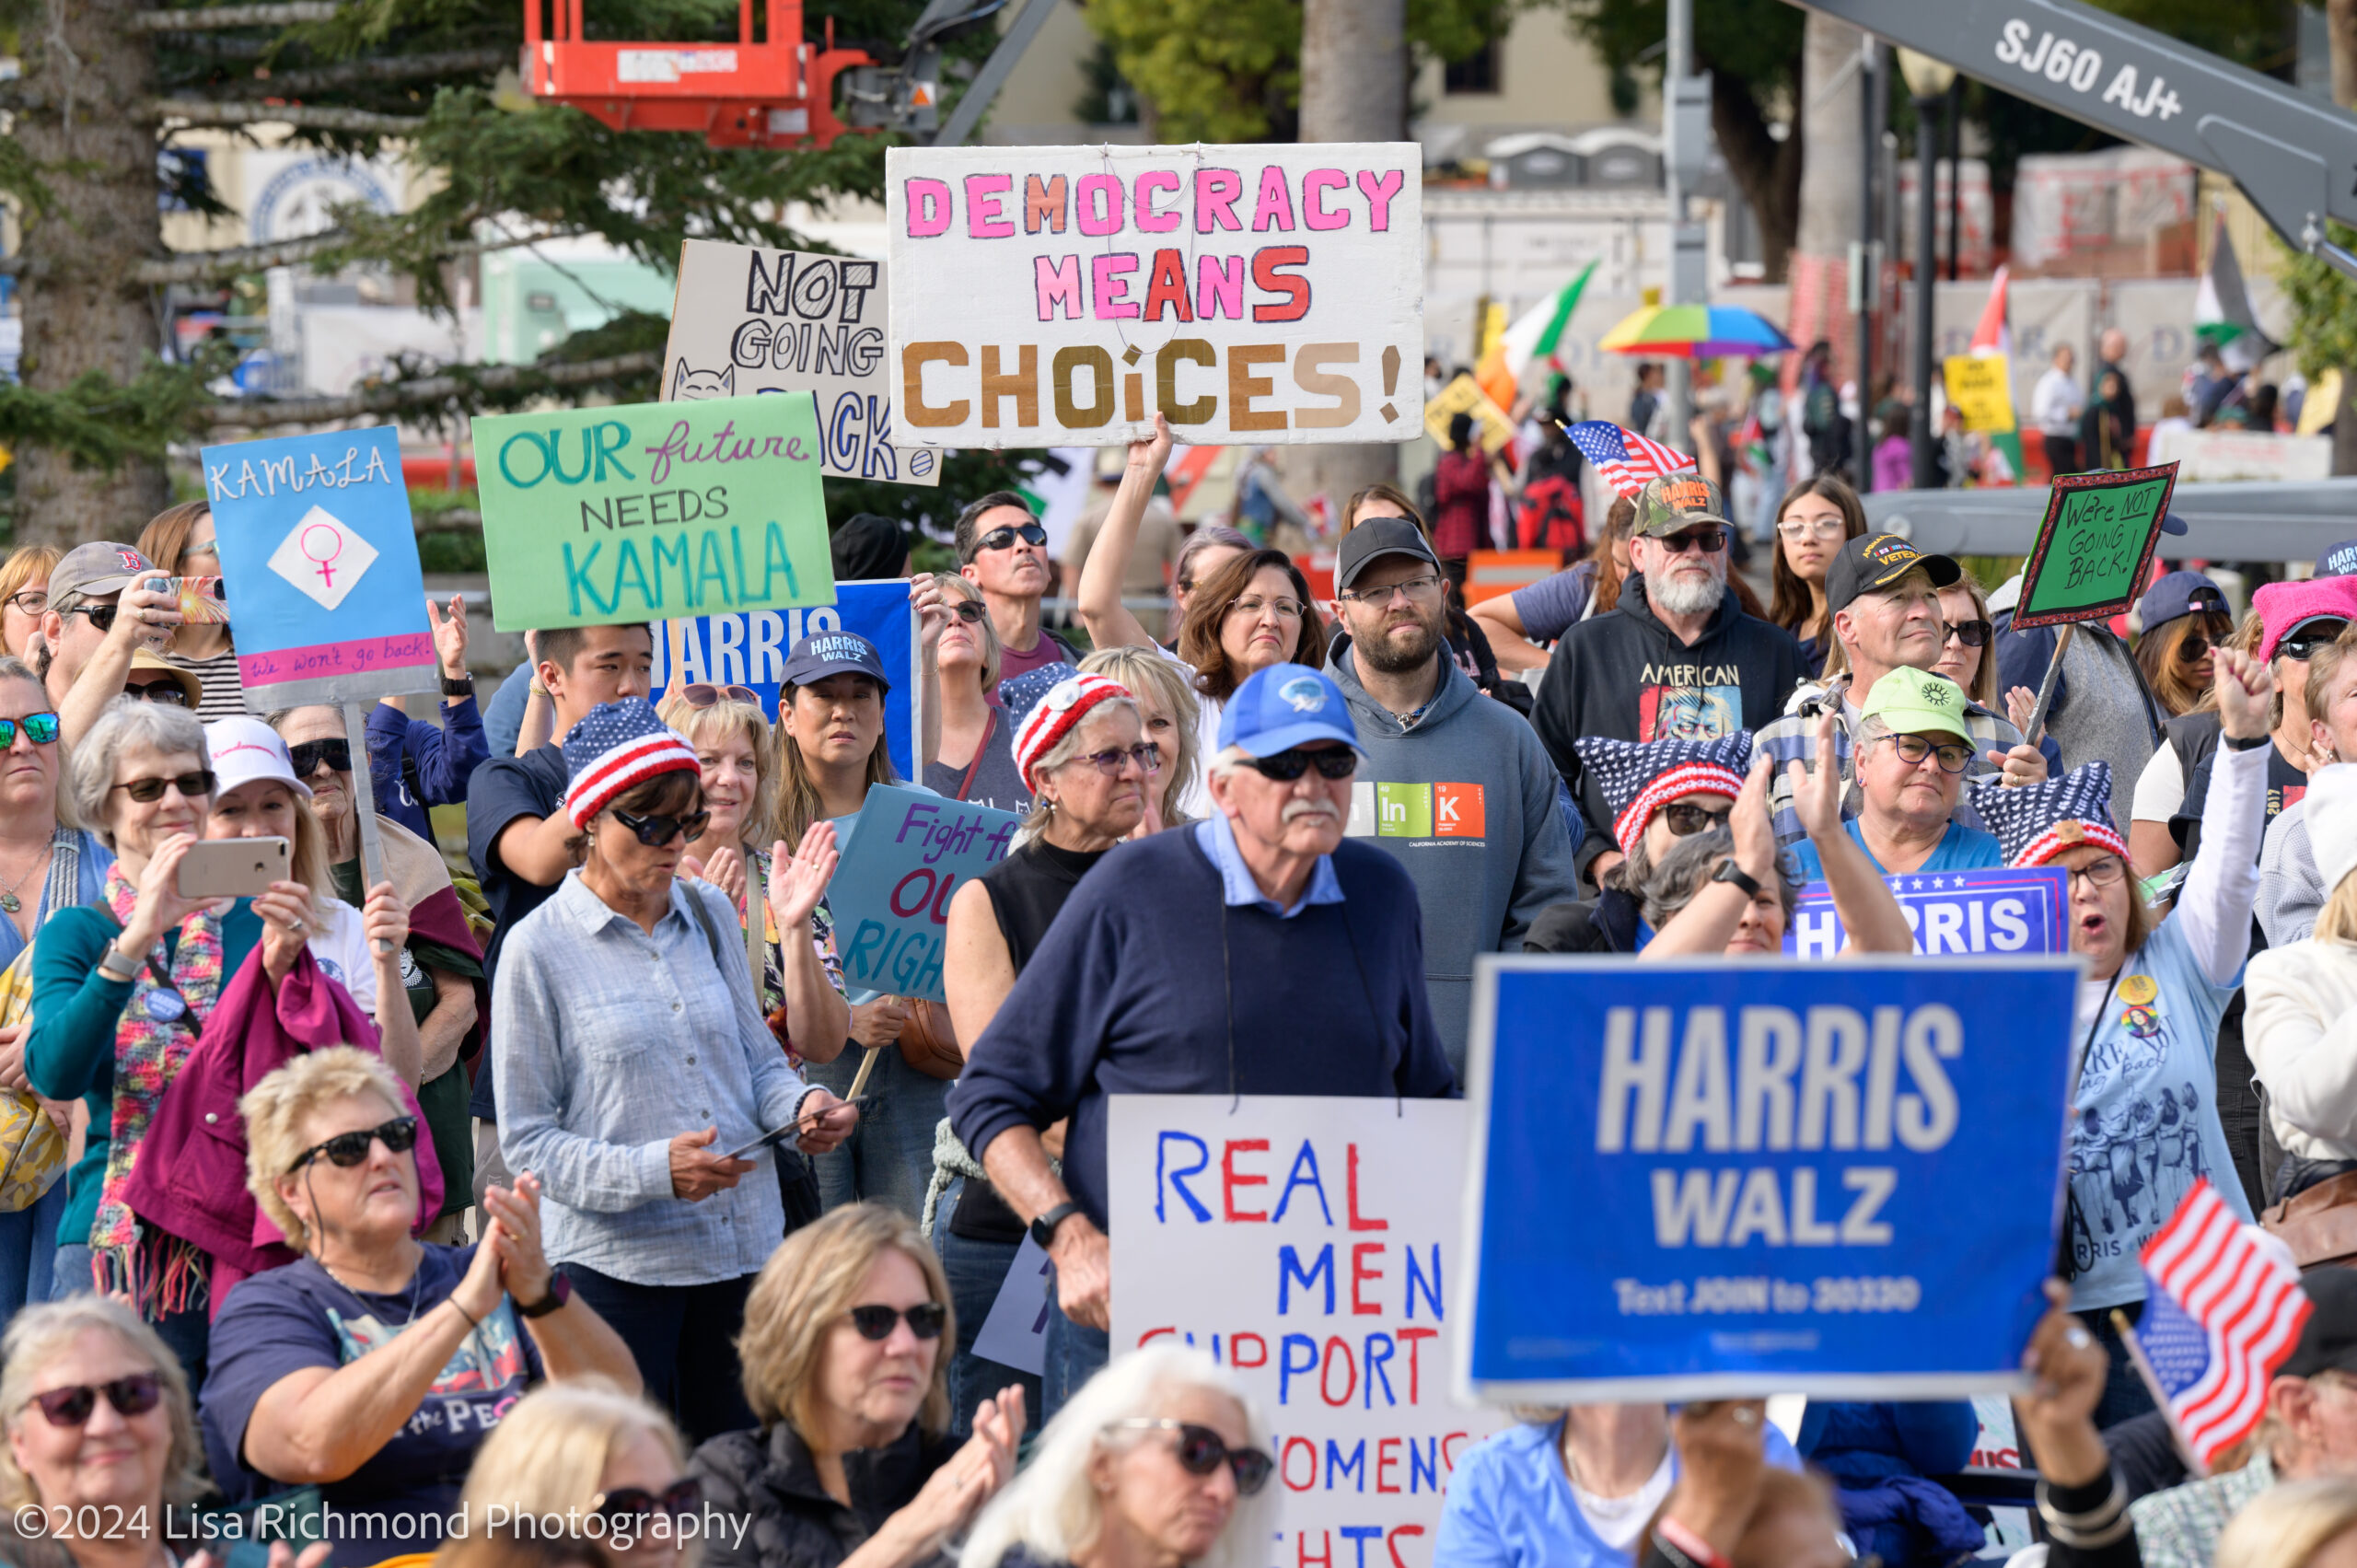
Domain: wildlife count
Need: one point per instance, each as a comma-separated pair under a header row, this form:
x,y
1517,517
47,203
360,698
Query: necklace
x,y
8,899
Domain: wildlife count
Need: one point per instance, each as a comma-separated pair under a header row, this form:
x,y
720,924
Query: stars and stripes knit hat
x,y
1640,778
2037,822
1056,715
619,745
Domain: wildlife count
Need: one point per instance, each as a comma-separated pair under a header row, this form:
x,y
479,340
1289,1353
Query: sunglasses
x,y
1971,633
1709,540
40,728
2307,645
348,1149
1145,754
101,615
1003,539
71,1406
875,1322
1686,819
197,785
307,758
1285,767
683,1496
169,691
1201,1451
2195,648
656,831
969,610
701,695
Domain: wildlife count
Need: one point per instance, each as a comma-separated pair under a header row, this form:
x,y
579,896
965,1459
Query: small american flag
x,y
2222,1314
1623,459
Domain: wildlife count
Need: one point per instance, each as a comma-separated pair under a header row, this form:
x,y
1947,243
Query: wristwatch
x,y
115,955
1729,871
1043,1229
560,1292
463,687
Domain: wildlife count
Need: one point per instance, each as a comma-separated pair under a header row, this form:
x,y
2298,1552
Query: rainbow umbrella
x,y
1697,331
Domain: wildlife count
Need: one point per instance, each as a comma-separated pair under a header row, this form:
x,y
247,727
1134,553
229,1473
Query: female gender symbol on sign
x,y
309,545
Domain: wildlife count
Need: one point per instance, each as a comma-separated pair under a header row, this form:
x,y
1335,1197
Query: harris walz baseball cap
x,y
1678,501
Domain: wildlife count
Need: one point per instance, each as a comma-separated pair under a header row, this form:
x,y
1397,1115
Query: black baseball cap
x,y
1377,537
2329,1342
1875,560
2341,561
833,652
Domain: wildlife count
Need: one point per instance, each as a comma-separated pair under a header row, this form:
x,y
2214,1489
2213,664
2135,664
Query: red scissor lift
x,y
777,90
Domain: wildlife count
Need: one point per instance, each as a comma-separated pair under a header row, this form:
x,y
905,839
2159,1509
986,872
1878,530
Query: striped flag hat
x,y
2037,822
2224,1310
619,745
1057,714
1640,778
1624,459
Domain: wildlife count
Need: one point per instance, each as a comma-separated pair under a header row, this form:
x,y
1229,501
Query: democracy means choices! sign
x,y
1305,1243
650,511
891,892
2024,909
1057,296
302,523
1771,1157
749,320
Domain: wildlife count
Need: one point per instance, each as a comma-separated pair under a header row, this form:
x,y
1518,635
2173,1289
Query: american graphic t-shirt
x,y
1689,700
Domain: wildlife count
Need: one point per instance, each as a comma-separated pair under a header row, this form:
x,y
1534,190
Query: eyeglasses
x,y
1201,1451
1003,539
1971,633
210,547
1954,756
1424,587
197,785
1685,817
1813,527
2105,873
1340,762
1145,754
2306,642
701,695
1709,540
1286,608
71,1406
968,610
656,831
40,728
348,1149
2195,647
307,757
32,602
875,1322
684,1495
168,691
101,615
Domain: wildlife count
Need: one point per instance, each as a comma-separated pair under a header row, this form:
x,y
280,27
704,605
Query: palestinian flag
x,y
1537,335
2223,313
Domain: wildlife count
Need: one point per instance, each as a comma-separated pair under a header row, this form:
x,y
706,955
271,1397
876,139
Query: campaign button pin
x,y
2138,989
166,1005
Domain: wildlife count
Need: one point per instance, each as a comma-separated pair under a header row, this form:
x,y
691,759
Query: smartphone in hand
x,y
202,599
232,868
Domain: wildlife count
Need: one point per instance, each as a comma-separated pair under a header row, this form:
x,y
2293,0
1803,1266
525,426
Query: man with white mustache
x,y
1258,952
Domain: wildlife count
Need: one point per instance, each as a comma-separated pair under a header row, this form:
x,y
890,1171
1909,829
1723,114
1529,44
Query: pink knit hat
x,y
1055,716
2284,606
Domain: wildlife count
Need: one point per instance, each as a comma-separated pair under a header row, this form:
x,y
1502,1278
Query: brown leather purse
x,y
2320,1225
928,1040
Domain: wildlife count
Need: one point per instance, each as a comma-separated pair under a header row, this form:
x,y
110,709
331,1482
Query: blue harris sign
x,y
1996,912
1842,1179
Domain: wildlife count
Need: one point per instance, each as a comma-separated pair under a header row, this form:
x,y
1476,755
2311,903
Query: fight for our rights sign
x,y
1061,295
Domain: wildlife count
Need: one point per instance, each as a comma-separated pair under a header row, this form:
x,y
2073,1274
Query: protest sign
x,y
1464,395
726,492
1310,1245
301,523
1053,296
2024,909
749,650
1773,1160
891,893
749,320
1979,385
2094,545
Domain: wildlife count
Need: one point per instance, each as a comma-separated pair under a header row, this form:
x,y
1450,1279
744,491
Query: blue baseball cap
x,y
2180,594
1284,706
833,652
2341,561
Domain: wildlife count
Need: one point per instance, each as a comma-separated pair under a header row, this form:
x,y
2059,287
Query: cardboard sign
x,y
748,321
1464,395
1980,386
1049,297
651,511
318,561
1310,1245
1997,912
749,650
2095,546
1769,1156
891,893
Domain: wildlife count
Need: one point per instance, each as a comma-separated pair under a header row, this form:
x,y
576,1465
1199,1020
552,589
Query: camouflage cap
x,y
1678,501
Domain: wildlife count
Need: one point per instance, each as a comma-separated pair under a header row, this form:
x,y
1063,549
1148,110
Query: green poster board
x,y
2095,546
654,511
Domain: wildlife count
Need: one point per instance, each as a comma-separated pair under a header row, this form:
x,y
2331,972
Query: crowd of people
x,y
561,1170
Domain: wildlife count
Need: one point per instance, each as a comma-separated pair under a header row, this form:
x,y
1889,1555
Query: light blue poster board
x,y
318,561
908,850
750,649
1996,912
1841,1178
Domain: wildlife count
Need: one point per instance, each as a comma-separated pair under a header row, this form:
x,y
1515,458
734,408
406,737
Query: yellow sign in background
x,y
1464,395
1978,387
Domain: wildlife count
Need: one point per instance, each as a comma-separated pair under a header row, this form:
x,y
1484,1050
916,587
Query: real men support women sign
x,y
1057,296
653,511
1838,1178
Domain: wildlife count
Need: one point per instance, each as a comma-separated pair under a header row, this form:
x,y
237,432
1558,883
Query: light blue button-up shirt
x,y
609,1043
1238,889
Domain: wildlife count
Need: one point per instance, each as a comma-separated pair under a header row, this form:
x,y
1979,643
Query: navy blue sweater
x,y
1124,996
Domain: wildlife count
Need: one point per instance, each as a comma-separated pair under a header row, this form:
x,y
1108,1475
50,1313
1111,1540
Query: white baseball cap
x,y
243,749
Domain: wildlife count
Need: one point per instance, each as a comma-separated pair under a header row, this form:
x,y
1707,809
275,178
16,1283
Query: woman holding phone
x,y
178,539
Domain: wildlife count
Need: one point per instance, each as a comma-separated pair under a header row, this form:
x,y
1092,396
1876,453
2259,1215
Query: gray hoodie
x,y
1466,801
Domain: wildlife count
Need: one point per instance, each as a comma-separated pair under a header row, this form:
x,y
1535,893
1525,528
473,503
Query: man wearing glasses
x,y
1003,551
98,618
1456,787
1677,658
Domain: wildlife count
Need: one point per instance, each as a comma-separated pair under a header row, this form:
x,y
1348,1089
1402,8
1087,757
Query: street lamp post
x,y
1927,82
